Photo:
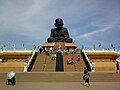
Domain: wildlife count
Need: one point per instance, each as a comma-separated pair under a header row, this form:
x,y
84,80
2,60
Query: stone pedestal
x,y
60,45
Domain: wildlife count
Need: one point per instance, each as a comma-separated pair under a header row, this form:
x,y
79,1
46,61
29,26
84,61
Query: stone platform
x,y
60,44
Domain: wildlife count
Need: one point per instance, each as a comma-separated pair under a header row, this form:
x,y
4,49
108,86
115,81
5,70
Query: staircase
x,y
44,63
77,67
50,64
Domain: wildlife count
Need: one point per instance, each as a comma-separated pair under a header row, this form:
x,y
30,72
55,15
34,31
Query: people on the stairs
x,y
70,61
40,50
26,66
54,56
78,58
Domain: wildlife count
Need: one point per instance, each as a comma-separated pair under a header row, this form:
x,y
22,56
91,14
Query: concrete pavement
x,y
61,86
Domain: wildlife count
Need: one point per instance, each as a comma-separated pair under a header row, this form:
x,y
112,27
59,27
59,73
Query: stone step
x,y
77,67
44,63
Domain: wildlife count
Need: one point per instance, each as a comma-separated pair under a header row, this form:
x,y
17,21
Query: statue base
x,y
59,45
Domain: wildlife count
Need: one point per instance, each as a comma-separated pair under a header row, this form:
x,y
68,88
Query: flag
x,y
34,46
99,45
14,47
4,46
94,46
112,45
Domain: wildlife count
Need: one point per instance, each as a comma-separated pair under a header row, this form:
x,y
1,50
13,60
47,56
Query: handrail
x,y
87,62
59,62
30,61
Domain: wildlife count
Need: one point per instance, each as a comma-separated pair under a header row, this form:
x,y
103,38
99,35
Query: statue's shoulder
x,y
53,29
65,29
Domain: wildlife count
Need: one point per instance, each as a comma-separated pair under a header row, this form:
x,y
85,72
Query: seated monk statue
x,y
59,34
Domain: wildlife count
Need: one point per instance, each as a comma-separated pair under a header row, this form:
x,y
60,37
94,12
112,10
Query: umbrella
x,y
10,74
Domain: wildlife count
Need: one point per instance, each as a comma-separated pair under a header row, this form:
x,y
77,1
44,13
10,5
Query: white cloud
x,y
35,18
93,33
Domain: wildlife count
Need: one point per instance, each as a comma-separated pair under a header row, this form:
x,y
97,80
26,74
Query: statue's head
x,y
59,23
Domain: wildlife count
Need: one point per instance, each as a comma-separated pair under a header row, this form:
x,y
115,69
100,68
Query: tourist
x,y
66,51
53,56
11,78
117,67
70,61
40,50
50,49
48,53
78,58
86,77
26,66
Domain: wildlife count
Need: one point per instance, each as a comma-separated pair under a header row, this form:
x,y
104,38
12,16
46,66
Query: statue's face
x,y
59,25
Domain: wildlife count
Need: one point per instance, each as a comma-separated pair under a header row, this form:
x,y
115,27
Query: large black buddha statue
x,y
59,34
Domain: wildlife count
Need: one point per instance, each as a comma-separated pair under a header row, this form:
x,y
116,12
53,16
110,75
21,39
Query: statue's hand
x,y
59,38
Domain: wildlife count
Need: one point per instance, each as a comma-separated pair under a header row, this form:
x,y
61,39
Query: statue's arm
x,y
66,33
52,33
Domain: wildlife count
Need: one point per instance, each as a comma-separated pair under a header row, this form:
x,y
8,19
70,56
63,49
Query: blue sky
x,y
89,22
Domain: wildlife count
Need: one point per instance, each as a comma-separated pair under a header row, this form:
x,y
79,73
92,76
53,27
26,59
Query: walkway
x,y
61,86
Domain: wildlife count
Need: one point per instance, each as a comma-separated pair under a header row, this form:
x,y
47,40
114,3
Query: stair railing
x,y
29,64
87,61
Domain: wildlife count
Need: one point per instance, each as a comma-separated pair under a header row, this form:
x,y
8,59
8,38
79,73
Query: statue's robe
x,y
59,36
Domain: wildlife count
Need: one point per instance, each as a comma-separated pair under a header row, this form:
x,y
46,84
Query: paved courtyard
x,y
61,86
